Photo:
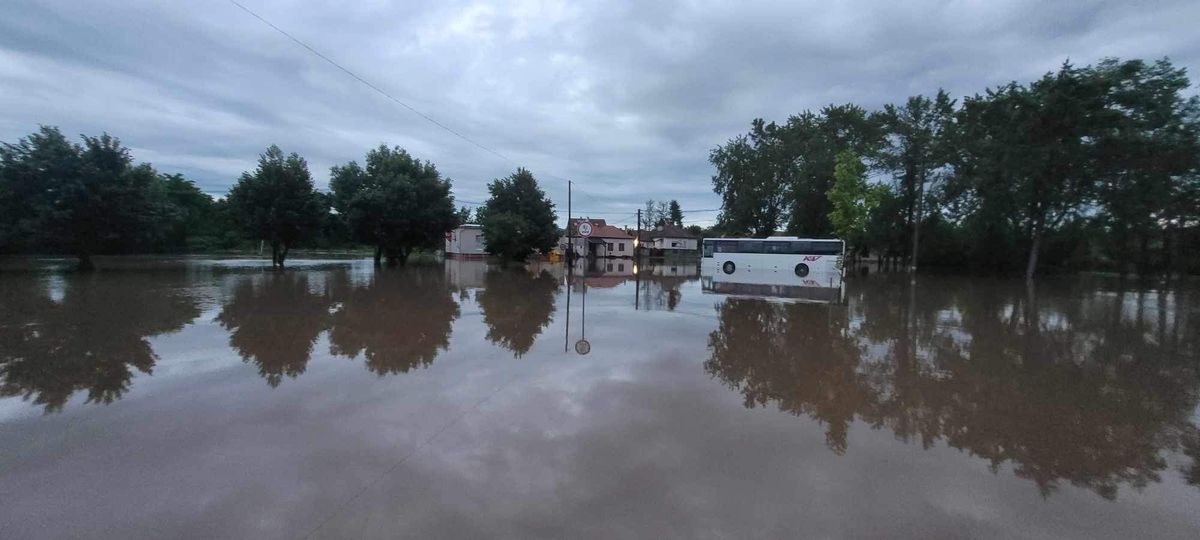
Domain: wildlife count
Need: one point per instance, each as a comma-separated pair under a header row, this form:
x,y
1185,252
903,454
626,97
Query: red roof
x,y
600,229
608,231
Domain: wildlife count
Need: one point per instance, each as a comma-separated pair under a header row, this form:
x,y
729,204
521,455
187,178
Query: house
x,y
605,241
668,239
466,241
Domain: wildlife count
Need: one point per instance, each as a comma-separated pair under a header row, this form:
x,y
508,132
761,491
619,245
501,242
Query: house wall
x,y
683,244
621,247
466,241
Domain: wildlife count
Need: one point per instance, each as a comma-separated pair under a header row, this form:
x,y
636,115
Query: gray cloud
x,y
626,98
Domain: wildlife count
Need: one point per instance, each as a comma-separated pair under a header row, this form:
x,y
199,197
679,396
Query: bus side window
x,y
776,247
827,248
801,248
726,246
750,246
708,248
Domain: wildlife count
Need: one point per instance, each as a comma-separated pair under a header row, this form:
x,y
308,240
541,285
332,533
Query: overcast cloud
x,y
625,98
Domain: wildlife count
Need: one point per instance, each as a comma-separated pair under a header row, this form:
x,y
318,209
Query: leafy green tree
x,y
463,215
811,144
851,200
1039,152
277,203
675,213
30,172
1151,145
397,204
753,194
518,219
192,222
84,199
916,149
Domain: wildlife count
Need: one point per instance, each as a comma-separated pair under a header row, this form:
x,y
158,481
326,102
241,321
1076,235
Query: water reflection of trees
x,y
516,306
398,320
91,340
274,320
1064,386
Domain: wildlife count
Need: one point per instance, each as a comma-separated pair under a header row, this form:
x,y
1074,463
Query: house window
x,y
621,267
674,244
621,246
608,267
609,246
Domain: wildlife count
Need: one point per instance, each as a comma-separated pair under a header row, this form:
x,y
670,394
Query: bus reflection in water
x,y
785,267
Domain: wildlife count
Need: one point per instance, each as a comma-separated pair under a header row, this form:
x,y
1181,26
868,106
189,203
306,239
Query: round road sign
x,y
585,229
583,347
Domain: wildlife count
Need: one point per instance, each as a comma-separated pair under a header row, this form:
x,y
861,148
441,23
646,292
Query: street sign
x,y
583,347
585,229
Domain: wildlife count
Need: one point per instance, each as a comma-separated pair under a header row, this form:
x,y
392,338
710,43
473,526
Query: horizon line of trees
x,y
1085,168
92,198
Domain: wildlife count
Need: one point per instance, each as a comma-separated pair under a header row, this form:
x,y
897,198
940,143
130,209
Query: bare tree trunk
x,y
274,254
1031,266
916,225
283,255
378,254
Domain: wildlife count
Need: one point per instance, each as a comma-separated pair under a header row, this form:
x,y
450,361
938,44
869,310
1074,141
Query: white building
x,y
466,241
671,238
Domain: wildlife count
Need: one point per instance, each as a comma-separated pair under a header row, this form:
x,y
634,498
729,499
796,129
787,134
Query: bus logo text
x,y
810,258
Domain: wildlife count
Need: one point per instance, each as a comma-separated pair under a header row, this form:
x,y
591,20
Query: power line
x,y
371,86
384,93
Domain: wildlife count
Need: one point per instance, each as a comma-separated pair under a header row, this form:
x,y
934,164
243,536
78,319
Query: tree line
x,y
91,198
1094,167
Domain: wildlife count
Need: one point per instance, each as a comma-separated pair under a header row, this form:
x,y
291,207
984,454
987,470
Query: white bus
x,y
759,257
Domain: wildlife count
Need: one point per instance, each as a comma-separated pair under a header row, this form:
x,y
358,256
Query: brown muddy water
x,y
218,399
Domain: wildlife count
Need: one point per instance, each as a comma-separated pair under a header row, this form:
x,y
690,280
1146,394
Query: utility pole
x,y
637,250
570,233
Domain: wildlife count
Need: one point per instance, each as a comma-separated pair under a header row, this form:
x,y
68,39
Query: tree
x,y
30,173
464,215
84,199
518,219
675,214
851,200
1147,154
811,144
277,203
752,194
1031,157
916,137
192,221
397,204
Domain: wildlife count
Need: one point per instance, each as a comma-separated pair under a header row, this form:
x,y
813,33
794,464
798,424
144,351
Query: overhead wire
x,y
404,104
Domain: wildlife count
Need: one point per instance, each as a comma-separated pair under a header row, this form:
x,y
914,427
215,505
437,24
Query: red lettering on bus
x,y
810,258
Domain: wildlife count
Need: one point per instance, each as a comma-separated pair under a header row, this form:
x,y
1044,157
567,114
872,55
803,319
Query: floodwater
x,y
218,399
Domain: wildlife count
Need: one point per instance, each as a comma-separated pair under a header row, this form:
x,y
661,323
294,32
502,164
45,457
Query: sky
x,y
624,98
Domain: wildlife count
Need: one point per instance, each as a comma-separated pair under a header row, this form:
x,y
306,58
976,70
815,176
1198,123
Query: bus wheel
x,y
728,267
801,269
